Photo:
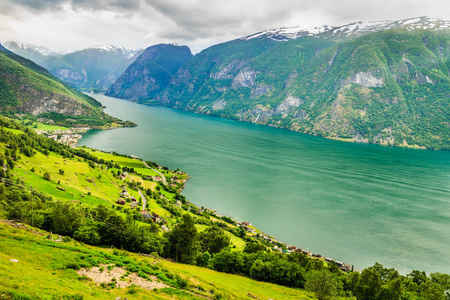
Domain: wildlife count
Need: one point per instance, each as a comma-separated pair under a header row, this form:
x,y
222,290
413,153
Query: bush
x,y
47,176
72,265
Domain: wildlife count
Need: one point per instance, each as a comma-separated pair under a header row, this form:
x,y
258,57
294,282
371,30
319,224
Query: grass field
x,y
236,287
45,270
41,126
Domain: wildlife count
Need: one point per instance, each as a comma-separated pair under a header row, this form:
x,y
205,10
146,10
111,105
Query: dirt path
x,y
107,276
144,201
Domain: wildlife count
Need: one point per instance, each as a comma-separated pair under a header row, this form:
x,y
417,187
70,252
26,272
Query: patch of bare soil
x,y
107,276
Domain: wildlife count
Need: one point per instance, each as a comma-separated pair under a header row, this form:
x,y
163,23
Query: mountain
x,y
380,82
3,49
37,54
91,69
28,89
151,72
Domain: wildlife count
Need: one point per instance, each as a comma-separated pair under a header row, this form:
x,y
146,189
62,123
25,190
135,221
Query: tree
x,y
47,176
323,284
214,239
261,270
87,234
228,261
253,247
369,285
65,218
183,243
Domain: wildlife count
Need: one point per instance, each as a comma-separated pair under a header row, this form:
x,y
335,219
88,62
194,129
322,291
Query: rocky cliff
x,y
150,73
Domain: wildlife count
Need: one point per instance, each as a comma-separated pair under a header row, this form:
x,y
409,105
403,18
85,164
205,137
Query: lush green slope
x,y
29,89
47,269
92,69
73,192
388,86
150,73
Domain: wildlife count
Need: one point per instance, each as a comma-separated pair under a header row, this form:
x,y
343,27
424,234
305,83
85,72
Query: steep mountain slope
x,y
94,68
38,54
381,82
27,88
151,72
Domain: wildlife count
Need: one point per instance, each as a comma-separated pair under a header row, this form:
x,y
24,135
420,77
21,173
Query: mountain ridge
x,y
29,91
151,72
387,86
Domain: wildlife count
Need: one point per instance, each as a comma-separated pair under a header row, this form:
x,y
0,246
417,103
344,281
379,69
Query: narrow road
x,y
128,175
162,176
144,201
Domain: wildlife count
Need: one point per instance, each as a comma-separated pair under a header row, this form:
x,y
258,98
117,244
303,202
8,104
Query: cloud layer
x,y
75,24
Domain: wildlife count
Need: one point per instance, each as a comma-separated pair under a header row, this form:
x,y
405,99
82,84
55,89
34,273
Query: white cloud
x,y
76,24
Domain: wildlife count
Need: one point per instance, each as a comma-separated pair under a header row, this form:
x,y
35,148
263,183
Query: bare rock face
x,y
66,74
245,78
219,104
367,79
260,90
288,105
228,71
40,102
420,78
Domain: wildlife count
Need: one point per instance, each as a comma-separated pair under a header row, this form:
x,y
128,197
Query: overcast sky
x,y
77,24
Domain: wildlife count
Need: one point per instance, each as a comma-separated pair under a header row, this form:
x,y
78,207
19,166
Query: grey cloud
x,y
49,5
202,22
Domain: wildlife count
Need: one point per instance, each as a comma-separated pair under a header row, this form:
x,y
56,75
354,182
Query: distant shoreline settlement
x,y
68,137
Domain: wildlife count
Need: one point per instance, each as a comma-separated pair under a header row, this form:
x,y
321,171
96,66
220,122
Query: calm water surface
x,y
352,202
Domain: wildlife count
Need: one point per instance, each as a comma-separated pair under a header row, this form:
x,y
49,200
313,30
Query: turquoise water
x,y
353,202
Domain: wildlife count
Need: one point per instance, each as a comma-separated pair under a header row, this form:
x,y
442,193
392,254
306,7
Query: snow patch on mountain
x,y
129,53
352,29
28,48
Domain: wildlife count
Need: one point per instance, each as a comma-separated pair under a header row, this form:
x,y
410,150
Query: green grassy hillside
x,y
27,89
47,269
74,193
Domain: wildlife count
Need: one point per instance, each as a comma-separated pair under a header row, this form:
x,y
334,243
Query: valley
x,y
225,174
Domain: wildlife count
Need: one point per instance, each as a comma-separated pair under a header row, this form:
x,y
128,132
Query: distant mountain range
x,y
380,82
385,82
91,69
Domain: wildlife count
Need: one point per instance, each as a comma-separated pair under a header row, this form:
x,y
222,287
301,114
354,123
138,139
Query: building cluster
x,y
125,197
68,137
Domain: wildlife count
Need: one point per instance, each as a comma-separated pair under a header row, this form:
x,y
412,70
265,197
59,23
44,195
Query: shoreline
x,y
348,140
287,248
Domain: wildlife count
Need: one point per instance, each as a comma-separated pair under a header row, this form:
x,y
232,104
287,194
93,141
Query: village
x,y
68,137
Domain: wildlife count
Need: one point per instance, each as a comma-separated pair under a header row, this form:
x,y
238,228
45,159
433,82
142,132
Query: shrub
x,y
47,176
72,265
